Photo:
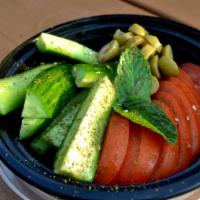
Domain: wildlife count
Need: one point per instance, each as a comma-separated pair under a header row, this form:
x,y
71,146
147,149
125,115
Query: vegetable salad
x,y
124,115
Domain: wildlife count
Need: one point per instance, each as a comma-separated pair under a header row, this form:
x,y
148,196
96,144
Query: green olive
x,y
122,37
118,32
109,51
154,41
168,66
153,62
155,85
135,41
167,51
137,29
148,51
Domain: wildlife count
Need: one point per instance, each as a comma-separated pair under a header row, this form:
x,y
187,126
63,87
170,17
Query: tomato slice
x,y
184,138
169,155
114,149
142,155
193,114
185,78
189,117
150,147
124,175
184,82
193,70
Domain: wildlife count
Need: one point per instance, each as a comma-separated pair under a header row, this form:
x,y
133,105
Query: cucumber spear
x,y
86,75
48,92
79,153
47,43
13,88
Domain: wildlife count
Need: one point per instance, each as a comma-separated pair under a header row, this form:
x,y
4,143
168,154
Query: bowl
x,y
93,32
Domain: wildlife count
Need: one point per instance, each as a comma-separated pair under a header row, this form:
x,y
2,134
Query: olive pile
x,y
160,57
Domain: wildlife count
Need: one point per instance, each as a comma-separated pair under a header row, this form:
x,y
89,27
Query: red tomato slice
x,y
187,82
184,139
114,149
169,155
149,151
185,103
195,114
186,78
125,173
193,70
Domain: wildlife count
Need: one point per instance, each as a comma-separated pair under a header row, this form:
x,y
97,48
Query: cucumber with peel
x,y
86,74
48,92
13,88
56,132
79,154
40,146
30,126
47,43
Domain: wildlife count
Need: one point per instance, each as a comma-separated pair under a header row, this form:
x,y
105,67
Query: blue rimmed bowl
x,y
93,32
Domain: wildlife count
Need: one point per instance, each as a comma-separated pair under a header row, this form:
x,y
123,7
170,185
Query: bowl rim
x,y
42,182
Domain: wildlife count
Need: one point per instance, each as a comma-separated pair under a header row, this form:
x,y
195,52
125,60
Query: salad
x,y
124,115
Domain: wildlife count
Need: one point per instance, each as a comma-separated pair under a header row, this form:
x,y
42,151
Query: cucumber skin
x,y
52,88
79,154
56,132
30,126
86,74
40,146
47,43
13,88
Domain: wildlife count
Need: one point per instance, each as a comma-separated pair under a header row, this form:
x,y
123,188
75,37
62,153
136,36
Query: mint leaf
x,y
133,80
133,91
151,116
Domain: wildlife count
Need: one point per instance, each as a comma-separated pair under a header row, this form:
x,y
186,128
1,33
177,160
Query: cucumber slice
x,y
48,92
40,146
13,88
86,75
79,154
47,43
56,132
30,126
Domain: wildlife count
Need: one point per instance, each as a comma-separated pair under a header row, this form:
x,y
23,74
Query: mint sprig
x,y
133,95
133,80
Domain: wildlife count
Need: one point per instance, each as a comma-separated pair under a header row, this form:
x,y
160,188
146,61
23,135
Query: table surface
x,y
21,19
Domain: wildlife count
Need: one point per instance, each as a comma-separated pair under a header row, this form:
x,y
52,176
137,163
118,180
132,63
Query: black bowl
x,y
94,32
